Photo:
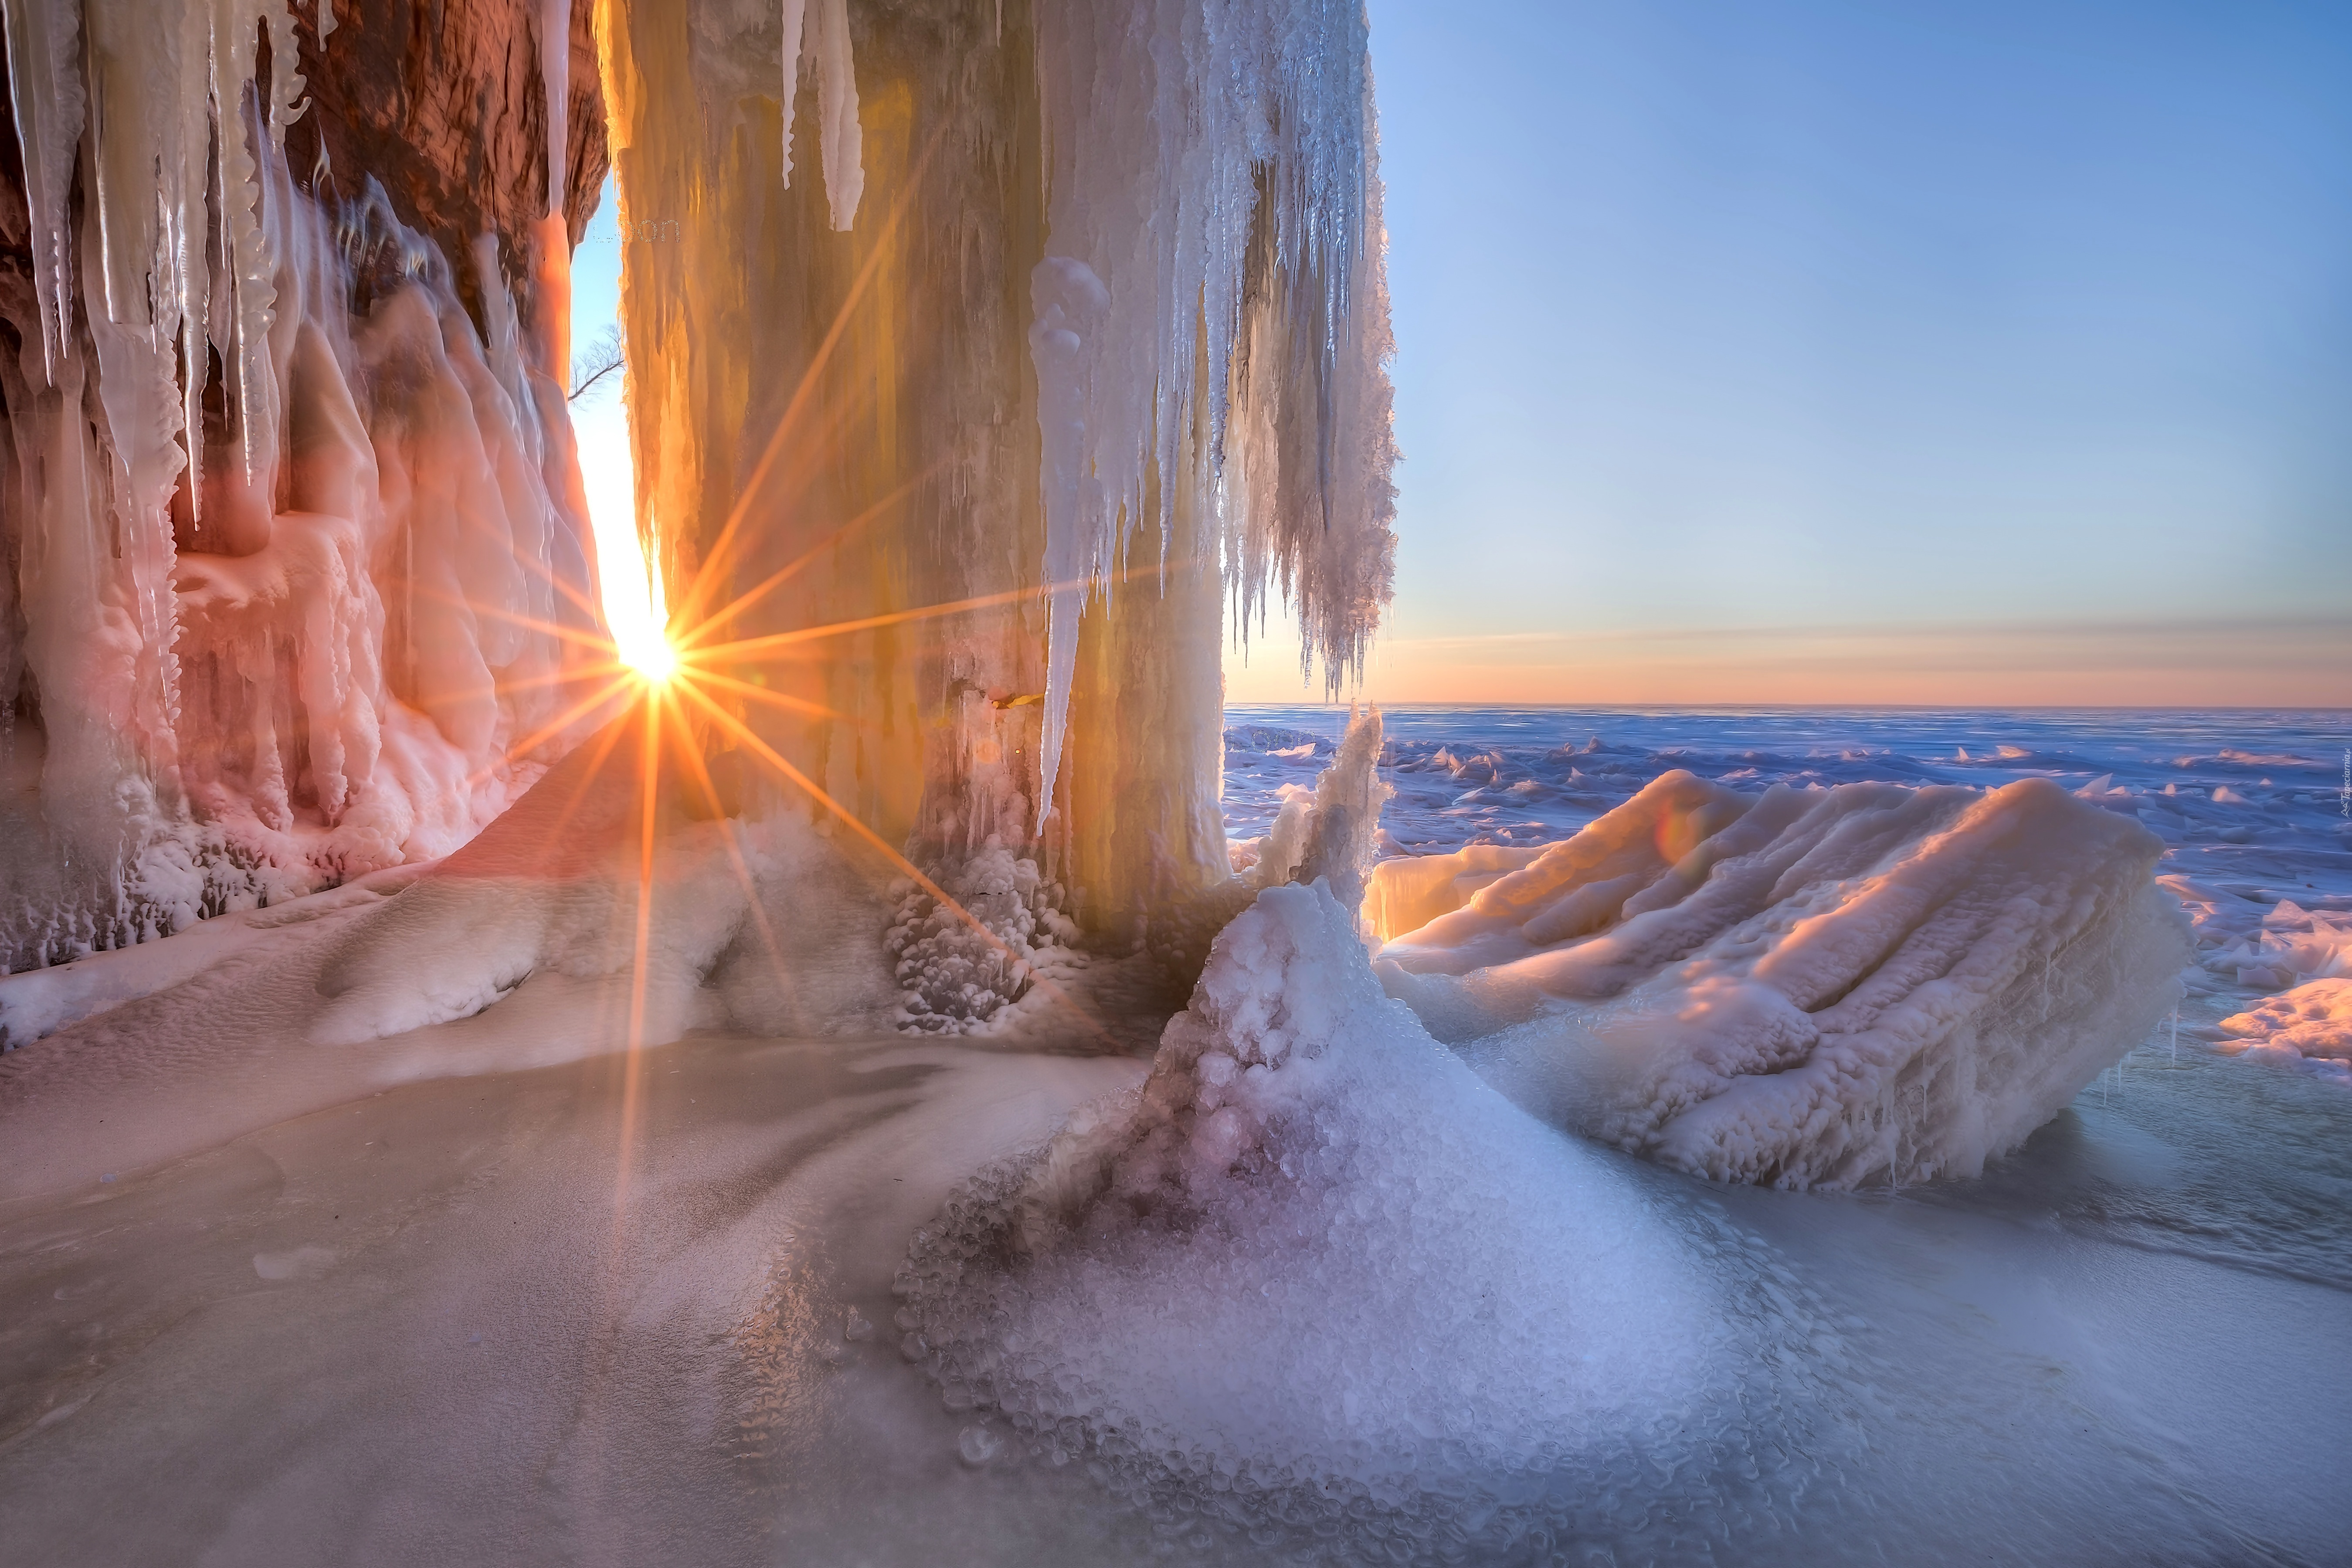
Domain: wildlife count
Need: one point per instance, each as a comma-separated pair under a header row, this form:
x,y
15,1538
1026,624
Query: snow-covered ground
x,y
359,1240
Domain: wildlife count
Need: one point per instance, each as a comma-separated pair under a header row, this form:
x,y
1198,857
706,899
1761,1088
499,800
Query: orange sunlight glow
x,y
631,582
661,675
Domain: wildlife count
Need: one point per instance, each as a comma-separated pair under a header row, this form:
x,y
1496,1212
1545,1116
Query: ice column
x,y
1086,334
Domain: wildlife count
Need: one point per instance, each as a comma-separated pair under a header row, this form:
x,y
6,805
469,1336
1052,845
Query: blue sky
x,y
1806,346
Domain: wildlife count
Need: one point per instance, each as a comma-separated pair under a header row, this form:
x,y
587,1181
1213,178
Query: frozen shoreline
x,y
582,1305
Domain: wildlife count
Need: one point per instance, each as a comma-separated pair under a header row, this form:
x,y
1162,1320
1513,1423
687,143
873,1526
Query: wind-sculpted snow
x,y
542,941
1807,987
1314,1282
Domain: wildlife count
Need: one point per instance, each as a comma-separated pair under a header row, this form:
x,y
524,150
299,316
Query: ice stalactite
x,y
44,91
288,525
1086,330
1213,218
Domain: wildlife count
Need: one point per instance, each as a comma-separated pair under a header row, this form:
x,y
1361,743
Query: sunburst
x,y
663,675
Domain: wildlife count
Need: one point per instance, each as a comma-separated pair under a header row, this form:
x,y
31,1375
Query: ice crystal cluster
x,y
959,964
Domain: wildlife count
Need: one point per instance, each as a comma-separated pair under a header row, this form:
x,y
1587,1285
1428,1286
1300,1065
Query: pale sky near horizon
x,y
1832,351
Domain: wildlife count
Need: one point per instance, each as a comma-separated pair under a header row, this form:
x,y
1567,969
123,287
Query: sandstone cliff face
x,y
442,101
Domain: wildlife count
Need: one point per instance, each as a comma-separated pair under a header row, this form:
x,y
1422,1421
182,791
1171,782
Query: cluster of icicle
x,y
297,651
1214,201
1212,293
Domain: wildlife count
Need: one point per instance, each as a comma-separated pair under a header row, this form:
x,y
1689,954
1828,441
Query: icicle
x,y
555,75
46,91
842,141
1070,303
251,298
185,284
551,263
286,100
794,15
840,138
1214,167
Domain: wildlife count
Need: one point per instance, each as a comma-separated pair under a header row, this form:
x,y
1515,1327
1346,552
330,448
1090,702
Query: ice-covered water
x,y
2254,809
1305,1288
1530,775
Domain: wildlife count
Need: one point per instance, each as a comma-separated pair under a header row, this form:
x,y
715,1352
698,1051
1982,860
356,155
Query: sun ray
x,y
556,726
795,468
530,623
633,1043
744,601
578,672
692,754
714,563
751,647
762,646
607,741
774,699
595,615
744,734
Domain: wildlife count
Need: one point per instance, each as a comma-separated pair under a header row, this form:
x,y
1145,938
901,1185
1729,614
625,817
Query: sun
x,y
646,649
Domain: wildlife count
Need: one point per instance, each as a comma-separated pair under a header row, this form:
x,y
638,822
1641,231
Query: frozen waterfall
x,y
295,565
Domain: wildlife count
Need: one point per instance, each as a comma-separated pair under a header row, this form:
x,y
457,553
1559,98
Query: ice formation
x,y
1298,1284
959,967
1082,332
292,544
2313,1020
1814,987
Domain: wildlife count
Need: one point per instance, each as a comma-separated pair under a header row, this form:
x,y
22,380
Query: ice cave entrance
x,y
731,1026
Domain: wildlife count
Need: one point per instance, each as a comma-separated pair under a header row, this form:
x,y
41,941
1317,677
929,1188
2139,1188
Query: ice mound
x,y
1313,1278
1807,987
1408,892
2313,1021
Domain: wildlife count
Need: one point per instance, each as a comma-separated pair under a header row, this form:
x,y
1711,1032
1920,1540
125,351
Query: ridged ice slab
x,y
1804,987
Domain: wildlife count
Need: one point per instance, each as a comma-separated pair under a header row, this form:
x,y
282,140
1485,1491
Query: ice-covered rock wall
x,y
1068,312
290,558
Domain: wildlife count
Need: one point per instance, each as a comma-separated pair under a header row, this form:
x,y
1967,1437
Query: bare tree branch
x,y
602,359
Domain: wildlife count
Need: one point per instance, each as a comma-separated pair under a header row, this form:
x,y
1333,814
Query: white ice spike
x,y
45,92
